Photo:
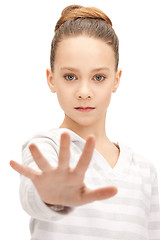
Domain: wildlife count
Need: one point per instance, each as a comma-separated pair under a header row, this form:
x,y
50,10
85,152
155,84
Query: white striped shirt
x,y
132,214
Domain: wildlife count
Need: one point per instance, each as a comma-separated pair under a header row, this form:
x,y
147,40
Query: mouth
x,y
84,109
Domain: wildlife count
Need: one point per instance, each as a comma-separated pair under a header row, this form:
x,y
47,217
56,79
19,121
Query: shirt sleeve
x,y
154,218
29,197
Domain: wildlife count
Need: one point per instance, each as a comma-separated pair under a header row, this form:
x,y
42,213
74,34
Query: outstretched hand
x,y
62,185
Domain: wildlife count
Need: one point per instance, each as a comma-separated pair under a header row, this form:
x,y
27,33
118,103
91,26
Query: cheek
x,y
63,95
105,96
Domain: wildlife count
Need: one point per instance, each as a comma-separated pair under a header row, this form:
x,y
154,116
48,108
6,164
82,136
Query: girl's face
x,y
84,76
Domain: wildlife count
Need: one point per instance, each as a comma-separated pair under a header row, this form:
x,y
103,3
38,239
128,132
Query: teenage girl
x,y
75,183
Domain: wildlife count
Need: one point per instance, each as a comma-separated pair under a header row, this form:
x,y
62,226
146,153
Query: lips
x,y
84,107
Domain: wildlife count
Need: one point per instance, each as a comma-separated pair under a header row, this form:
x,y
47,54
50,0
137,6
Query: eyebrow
x,y
76,70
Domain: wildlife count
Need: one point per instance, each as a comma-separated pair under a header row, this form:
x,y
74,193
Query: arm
x,y
154,218
29,197
56,185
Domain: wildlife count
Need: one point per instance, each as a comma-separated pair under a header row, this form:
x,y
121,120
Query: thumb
x,y
99,194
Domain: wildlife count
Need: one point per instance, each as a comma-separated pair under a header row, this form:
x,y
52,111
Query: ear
x,y
50,80
117,80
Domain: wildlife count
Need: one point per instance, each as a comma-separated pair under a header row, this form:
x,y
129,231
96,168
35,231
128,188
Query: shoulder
x,y
50,140
51,136
47,142
138,165
49,145
144,166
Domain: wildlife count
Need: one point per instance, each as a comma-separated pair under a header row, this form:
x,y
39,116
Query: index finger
x,y
86,156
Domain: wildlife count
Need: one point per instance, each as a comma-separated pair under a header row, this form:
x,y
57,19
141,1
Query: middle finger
x,y
64,153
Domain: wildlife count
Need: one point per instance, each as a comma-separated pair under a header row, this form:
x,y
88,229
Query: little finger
x,y
24,170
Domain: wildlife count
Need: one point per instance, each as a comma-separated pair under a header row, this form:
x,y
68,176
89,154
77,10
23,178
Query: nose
x,y
84,91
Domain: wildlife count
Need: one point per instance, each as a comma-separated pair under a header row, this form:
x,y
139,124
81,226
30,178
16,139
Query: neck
x,y
97,129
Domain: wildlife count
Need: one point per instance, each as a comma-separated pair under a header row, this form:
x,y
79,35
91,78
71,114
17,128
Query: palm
x,y
62,185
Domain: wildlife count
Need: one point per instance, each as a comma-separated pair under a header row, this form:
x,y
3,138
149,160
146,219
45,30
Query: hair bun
x,y
69,9
77,11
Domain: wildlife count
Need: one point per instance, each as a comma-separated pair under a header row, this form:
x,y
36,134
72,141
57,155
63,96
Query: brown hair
x,y
77,20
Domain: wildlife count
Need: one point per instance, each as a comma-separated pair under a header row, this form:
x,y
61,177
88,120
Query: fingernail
x,y
93,136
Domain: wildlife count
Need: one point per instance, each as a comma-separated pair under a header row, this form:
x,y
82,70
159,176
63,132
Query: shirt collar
x,y
125,156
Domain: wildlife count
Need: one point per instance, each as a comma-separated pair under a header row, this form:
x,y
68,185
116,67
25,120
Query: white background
x,y
28,106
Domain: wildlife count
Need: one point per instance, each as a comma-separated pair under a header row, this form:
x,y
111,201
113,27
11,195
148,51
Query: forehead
x,y
84,50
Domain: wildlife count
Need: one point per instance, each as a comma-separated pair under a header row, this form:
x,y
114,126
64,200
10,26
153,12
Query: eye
x,y
69,77
100,78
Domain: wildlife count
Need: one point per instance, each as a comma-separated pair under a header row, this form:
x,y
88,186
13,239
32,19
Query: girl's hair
x,y
77,20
